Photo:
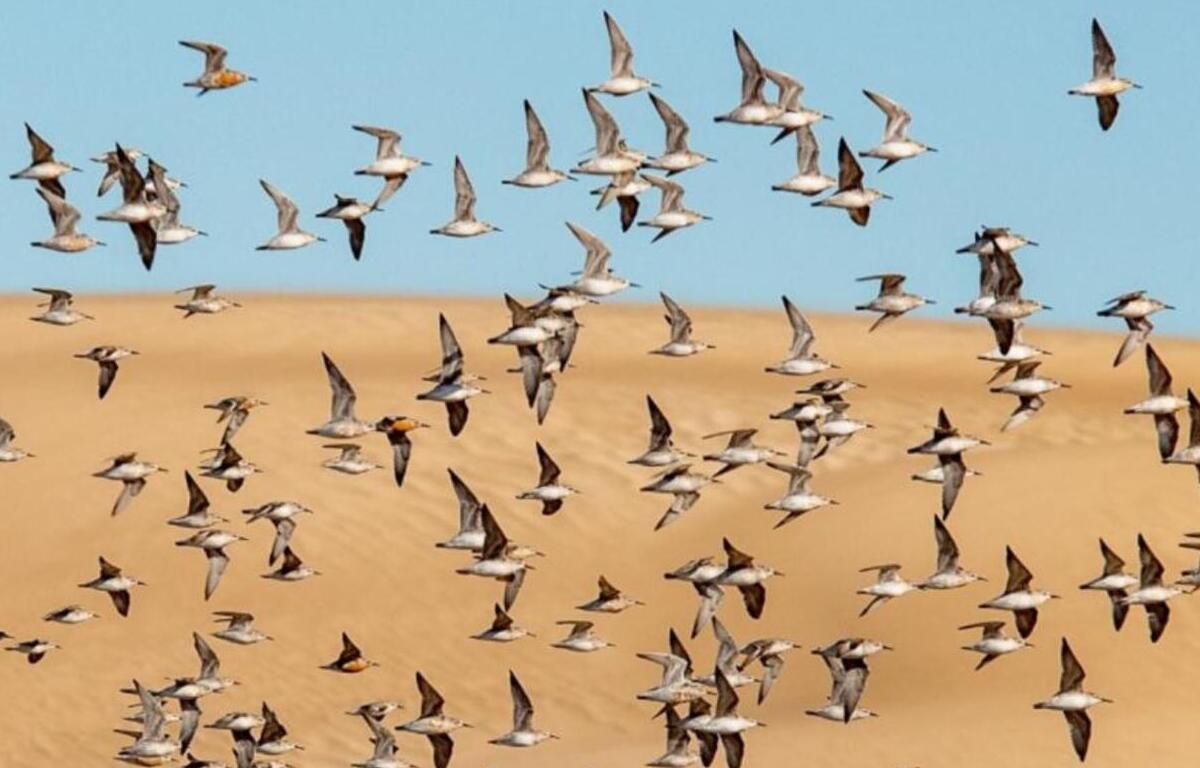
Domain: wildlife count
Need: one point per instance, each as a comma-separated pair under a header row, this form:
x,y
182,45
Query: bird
x,y
503,629
742,572
228,464
1104,86
464,223
433,723
949,473
375,711
661,450
808,180
849,672
59,310
947,439
671,214
1114,582
9,453
993,643
350,660
537,172
342,424
1018,595
676,685
596,280
949,574
768,652
239,628
1151,593
34,650
106,357
198,515
678,754
152,745
621,80
1190,454
580,638
383,754
351,212
1162,404
43,168
801,360
292,568
798,500
523,733
624,188
216,75
349,460
889,584
1073,701
71,614
612,155
137,209
753,109
65,218
497,559
1009,305
684,487
240,724
740,451
851,195
234,411
396,429
272,739
115,584
288,233
284,516
470,534
677,156
892,301
452,386
168,230
988,240
725,722
203,302
896,144
549,490
1135,309
212,542
131,473
610,599
390,164
794,115
1029,388
681,343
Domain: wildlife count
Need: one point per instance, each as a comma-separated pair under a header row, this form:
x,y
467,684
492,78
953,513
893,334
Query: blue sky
x,y
986,83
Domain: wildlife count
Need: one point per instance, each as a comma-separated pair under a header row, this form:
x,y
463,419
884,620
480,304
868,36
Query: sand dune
x,y
1079,470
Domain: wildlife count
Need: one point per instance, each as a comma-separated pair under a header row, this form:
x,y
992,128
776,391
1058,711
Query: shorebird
x,y
769,653
234,410
580,638
464,223
452,386
65,218
1073,701
1114,582
949,574
350,660
1187,455
203,302
503,629
988,240
523,734
739,451
351,212
288,233
433,723
1010,349
892,301
383,755
212,542
152,746
684,487
34,650
497,559
1162,404
396,428
349,460
283,515
291,569
808,180
994,643
168,230
725,722
1151,593
239,628
596,280
1018,596
681,343
1135,309
805,414
621,80
137,209
114,583
112,167
470,534
1029,388
795,116
342,424
624,188
526,328
949,473
851,195
896,144
947,440
837,428
989,284
678,754
43,168
726,660
209,677
612,155
131,473
676,685
390,164
677,156
1009,305
549,490
742,572
610,599
753,109
216,75
661,450
239,724
228,464
799,499
671,214
106,357
8,453
801,360
272,739
71,614
1104,86
849,676
888,584
537,172
375,711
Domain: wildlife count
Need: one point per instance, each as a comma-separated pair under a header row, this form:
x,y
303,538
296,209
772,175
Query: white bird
x,y
289,235
464,223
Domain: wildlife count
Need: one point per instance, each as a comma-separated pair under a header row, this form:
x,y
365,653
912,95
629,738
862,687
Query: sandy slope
x,y
1079,471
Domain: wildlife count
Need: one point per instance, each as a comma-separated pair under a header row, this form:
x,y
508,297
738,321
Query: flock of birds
x,y
544,334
